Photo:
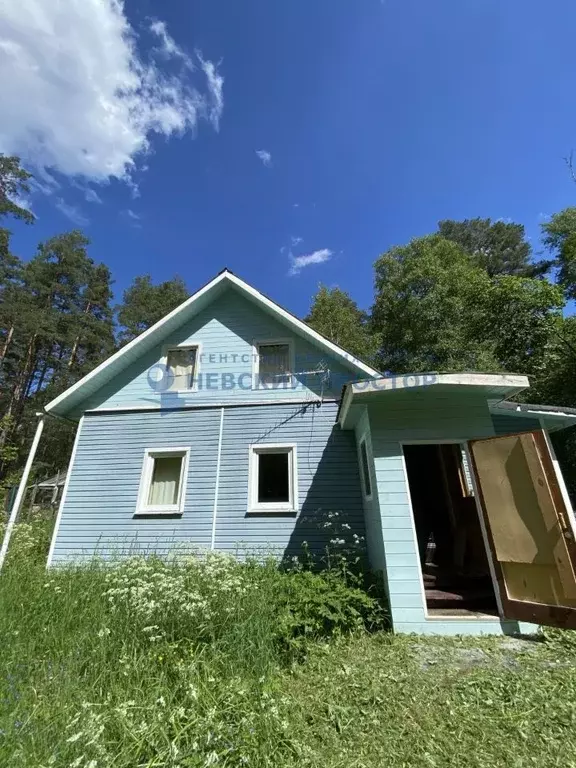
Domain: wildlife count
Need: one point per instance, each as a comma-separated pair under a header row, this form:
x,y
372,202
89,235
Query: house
x,y
232,425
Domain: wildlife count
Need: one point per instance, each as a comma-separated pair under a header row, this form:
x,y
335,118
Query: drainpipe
x,y
217,483
21,489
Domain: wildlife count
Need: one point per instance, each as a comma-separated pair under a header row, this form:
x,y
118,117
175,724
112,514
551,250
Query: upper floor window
x,y
273,364
181,367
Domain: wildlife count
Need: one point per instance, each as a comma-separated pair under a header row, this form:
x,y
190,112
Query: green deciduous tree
x,y
559,235
425,307
437,310
145,303
335,315
520,317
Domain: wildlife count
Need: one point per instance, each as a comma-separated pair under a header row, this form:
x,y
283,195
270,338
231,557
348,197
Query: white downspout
x,y
217,482
21,489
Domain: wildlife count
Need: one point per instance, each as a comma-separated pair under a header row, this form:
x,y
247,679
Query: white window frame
x,y
150,454
256,383
369,461
175,347
254,451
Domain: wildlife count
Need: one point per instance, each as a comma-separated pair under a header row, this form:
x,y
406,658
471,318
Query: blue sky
x,y
379,118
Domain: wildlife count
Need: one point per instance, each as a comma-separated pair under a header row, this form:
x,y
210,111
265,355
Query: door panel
x,y
531,541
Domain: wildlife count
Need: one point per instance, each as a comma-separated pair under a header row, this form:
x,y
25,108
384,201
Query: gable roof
x,y
113,365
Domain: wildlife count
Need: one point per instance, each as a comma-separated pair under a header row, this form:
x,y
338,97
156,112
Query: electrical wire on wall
x,y
315,400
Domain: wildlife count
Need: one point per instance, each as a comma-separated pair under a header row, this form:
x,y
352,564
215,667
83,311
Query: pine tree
x,y
145,303
499,247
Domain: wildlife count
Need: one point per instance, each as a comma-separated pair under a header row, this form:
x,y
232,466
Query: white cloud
x,y
133,217
295,240
79,98
265,156
92,196
72,212
215,102
300,262
168,46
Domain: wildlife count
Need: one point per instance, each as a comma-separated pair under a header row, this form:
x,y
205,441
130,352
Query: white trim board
x,y
156,334
217,481
205,406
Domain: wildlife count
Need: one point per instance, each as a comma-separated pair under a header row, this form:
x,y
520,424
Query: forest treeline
x,y
57,322
471,296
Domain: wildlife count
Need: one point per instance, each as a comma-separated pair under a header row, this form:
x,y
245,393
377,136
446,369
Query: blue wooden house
x,y
232,425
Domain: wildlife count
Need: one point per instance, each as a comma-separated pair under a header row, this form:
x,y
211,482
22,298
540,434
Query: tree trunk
x,y
6,344
19,391
77,340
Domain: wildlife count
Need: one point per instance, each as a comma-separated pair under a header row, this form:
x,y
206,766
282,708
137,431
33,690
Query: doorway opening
x,y
451,548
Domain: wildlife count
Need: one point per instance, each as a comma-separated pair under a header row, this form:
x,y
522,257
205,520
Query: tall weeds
x,y
153,663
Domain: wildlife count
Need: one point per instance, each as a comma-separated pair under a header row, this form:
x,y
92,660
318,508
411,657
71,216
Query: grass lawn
x,y
216,663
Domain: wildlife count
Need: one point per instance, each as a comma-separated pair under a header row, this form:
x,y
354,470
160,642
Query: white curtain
x,y
274,362
181,365
165,481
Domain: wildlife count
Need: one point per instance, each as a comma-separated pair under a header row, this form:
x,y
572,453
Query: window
x,y
163,481
365,469
181,364
273,364
273,484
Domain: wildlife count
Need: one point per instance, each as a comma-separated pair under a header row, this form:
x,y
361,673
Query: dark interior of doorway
x,y
451,547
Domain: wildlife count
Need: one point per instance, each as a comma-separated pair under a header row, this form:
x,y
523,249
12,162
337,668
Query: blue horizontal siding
x,y
98,513
226,330
328,480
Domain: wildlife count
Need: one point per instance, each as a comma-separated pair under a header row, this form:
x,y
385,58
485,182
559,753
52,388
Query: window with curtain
x,y
163,480
274,364
181,365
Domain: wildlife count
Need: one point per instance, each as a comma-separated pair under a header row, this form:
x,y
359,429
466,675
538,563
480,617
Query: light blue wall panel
x,y
414,416
374,540
98,514
226,331
329,484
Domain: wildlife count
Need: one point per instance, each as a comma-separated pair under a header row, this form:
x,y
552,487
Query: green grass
x,y
215,663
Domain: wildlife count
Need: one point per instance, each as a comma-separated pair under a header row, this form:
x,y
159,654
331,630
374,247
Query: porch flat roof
x,y
496,386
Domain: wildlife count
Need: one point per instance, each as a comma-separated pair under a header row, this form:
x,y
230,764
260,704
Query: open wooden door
x,y
528,528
